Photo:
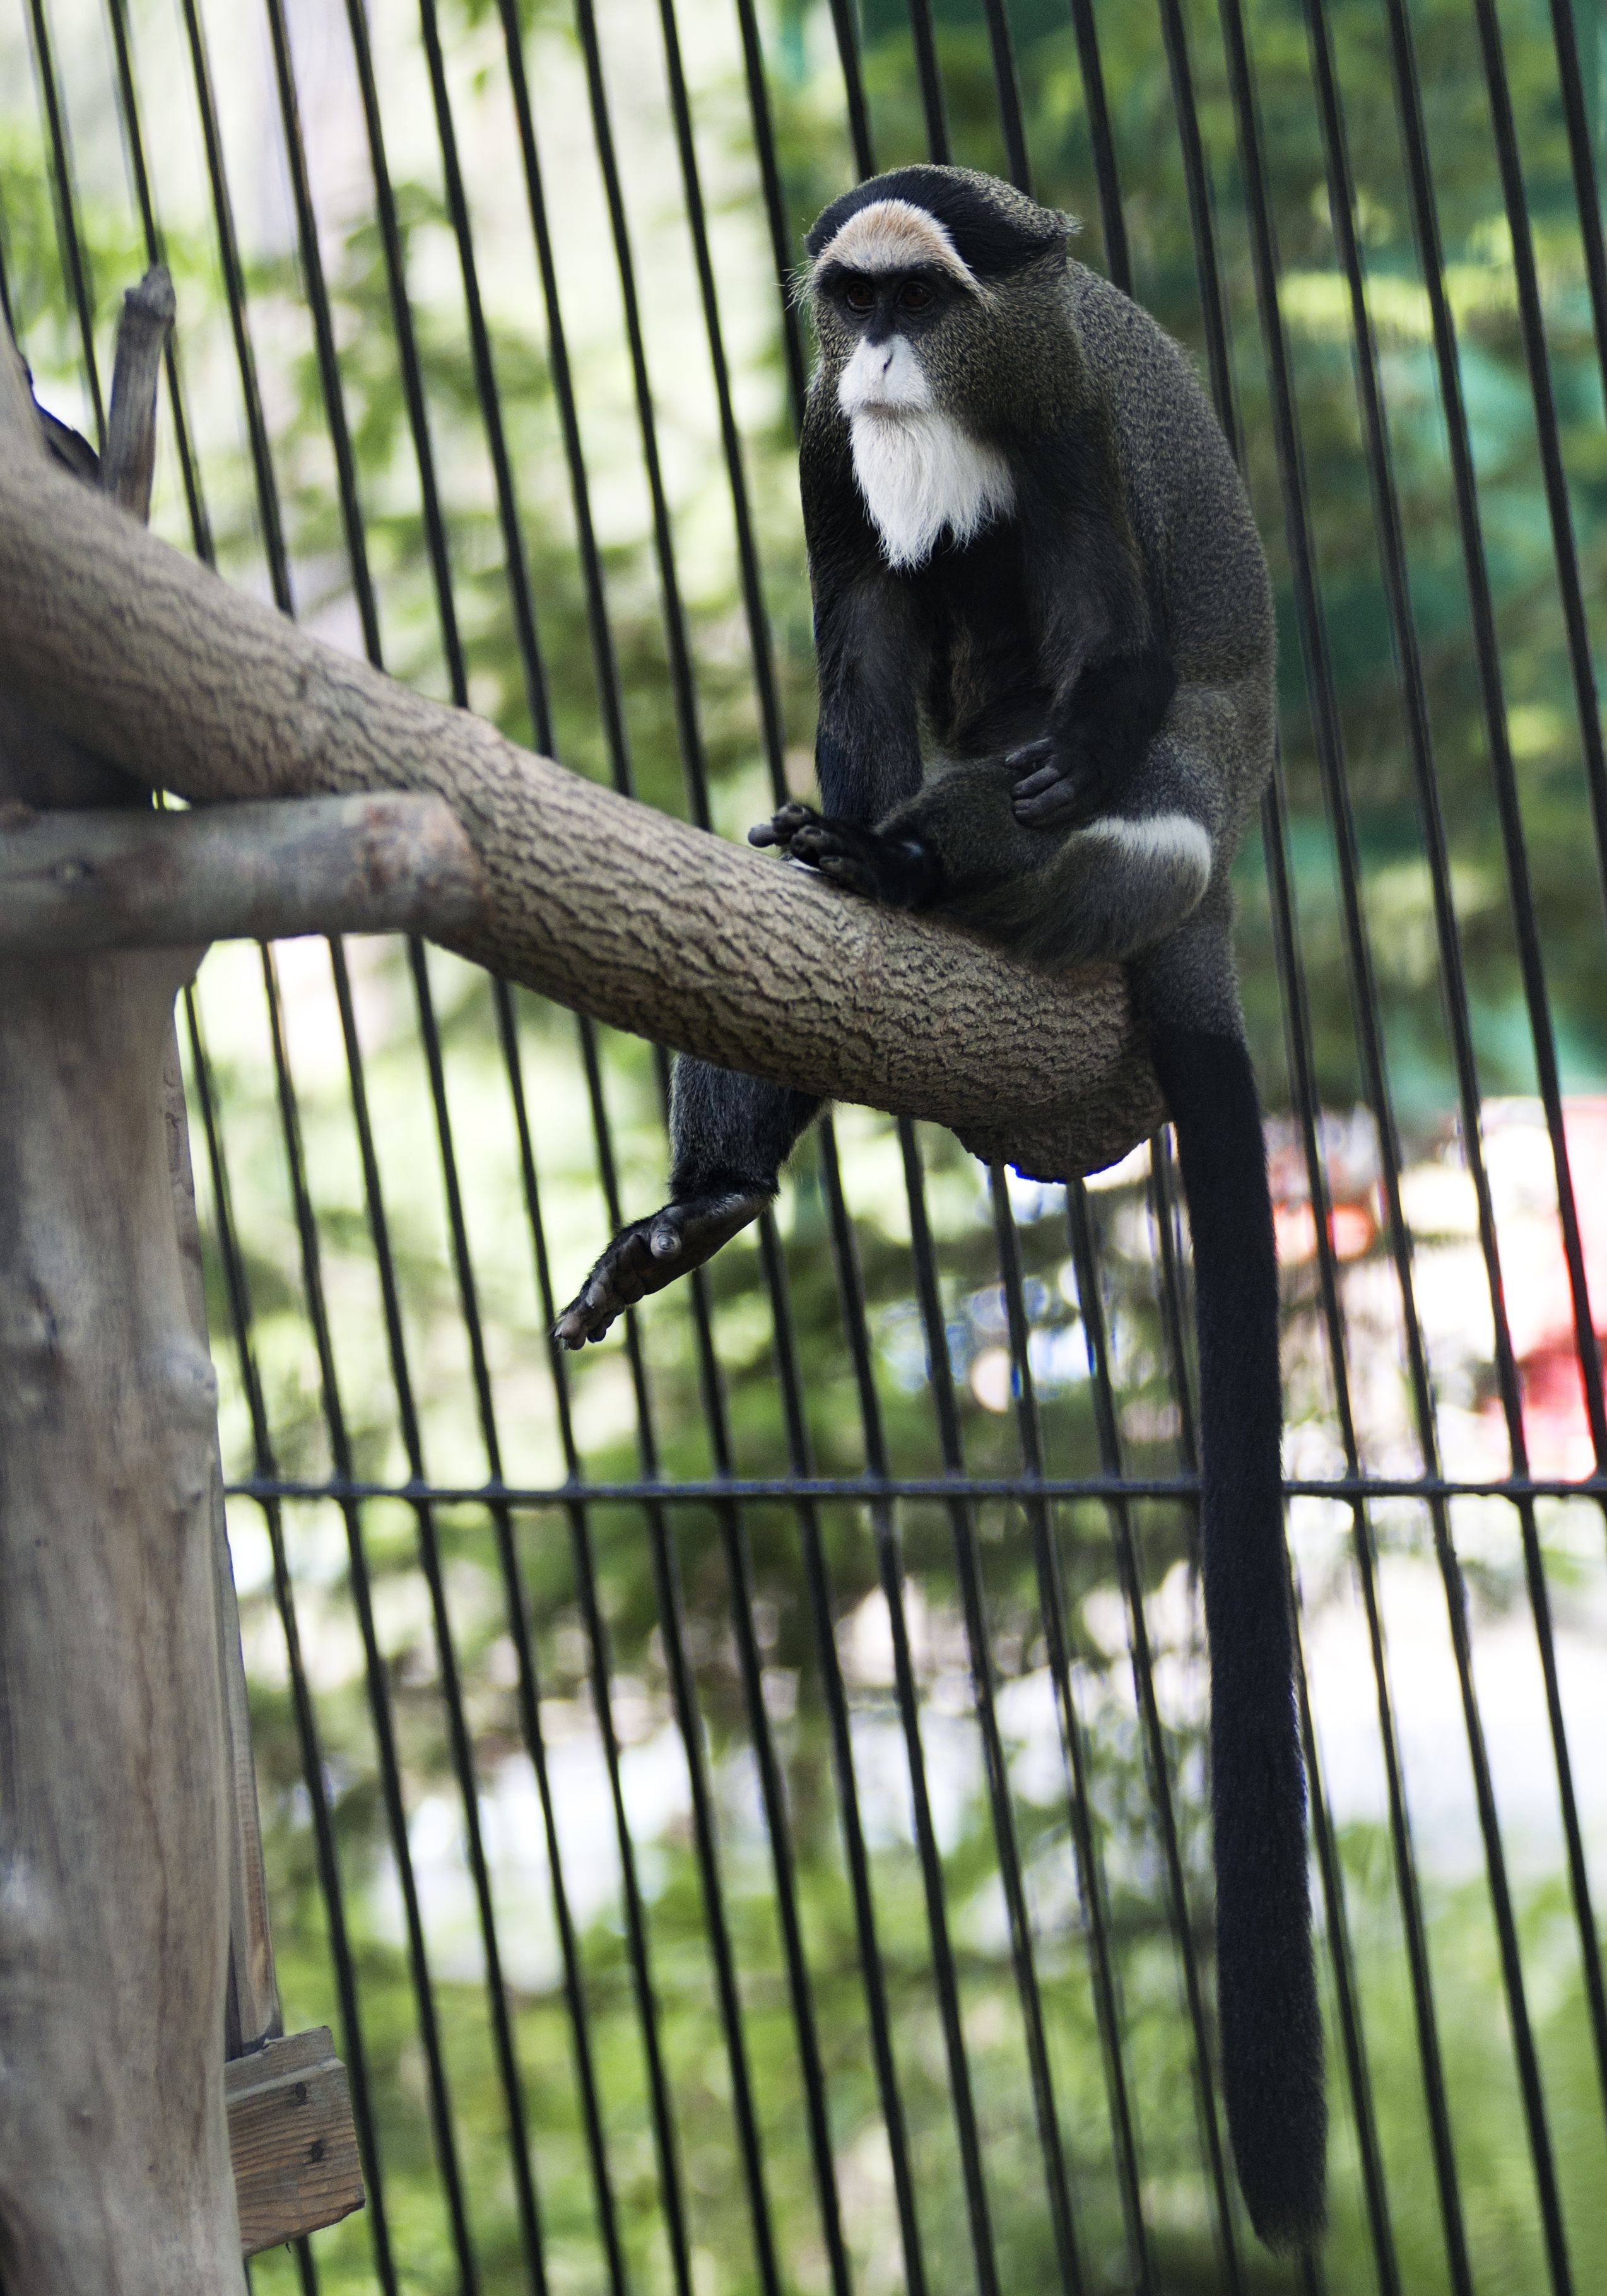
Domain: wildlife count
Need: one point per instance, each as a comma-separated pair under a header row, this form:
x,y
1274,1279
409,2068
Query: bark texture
x,y
115,1804
139,879
114,1889
148,659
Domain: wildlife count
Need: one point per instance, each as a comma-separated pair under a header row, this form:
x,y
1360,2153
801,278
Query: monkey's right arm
x,y
730,1134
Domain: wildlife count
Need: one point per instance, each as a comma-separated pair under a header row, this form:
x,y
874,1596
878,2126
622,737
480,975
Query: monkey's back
x,y
1191,515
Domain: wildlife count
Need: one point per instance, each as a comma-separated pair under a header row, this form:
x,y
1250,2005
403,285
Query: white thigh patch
x,y
1172,843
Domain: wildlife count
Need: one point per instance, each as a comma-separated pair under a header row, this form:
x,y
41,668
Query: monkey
x,y
1045,643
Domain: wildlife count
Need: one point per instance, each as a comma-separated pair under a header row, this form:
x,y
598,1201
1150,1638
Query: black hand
x,y
1051,791
651,1253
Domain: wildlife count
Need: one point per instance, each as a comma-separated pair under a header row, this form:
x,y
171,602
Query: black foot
x,y
651,1253
898,871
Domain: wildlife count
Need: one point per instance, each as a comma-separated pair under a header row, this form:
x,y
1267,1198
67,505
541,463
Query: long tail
x,y
1271,2033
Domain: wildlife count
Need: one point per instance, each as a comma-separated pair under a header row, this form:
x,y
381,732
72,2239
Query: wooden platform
x,y
291,2134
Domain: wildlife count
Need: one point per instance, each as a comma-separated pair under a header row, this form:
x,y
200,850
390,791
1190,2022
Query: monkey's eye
x,y
859,295
914,297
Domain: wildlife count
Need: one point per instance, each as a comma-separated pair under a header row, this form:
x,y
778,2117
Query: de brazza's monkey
x,y
1033,561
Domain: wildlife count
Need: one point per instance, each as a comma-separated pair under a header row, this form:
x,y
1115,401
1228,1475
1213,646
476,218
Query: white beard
x,y
918,470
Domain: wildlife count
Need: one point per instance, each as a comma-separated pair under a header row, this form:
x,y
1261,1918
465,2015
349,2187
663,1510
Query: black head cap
x,y
994,228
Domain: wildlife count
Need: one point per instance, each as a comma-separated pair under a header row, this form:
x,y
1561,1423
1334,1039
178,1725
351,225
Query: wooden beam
x,y
296,2166
134,879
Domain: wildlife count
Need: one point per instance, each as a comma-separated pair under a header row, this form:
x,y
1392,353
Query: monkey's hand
x,y
651,1253
897,870
1057,787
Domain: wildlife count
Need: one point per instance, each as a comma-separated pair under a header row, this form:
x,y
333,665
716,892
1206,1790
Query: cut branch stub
x,y
142,880
605,904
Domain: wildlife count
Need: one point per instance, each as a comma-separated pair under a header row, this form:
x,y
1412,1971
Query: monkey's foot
x,y
897,870
651,1253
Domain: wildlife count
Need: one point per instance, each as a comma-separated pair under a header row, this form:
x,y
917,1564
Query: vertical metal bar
x,y
485,386
605,665
890,1568
1112,225
1532,327
1304,1094
782,247
134,143
682,685
1080,1235
683,1690
306,1727
739,1570
819,1581
853,87
74,261
323,332
408,353
751,585
234,284
1570,86
462,1749
1008,89
963,1530
379,1690
930,79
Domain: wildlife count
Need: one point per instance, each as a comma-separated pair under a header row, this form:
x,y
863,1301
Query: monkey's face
x,y
885,290
884,317
937,290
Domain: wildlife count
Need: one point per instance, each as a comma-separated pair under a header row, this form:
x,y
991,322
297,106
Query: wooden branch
x,y
290,2136
152,662
142,880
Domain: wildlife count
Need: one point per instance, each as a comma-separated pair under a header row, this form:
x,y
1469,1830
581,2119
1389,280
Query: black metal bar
x,y
782,247
891,1571
739,1572
134,143
932,81
408,353
1531,325
353,2049
963,1530
1113,224
378,1680
863,1490
74,260
853,87
1080,1233
1008,89
684,1693
683,680
485,388
818,1580
751,584
233,284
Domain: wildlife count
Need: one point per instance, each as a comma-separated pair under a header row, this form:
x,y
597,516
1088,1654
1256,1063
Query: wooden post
x,y
134,1952
116,1813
